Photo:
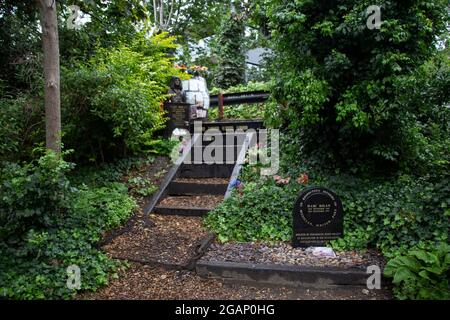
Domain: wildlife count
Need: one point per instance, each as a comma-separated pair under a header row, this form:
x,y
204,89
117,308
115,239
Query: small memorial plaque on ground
x,y
318,218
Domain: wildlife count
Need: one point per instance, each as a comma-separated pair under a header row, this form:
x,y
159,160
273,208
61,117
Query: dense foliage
x,y
241,111
422,273
112,104
19,39
47,224
230,69
365,113
114,78
21,125
260,211
343,84
393,215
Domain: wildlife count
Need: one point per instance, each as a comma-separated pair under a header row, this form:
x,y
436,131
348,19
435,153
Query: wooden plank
x,y
188,188
221,125
162,191
238,98
237,168
174,211
205,170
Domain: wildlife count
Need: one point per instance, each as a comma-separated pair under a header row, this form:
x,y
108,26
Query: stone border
x,y
286,275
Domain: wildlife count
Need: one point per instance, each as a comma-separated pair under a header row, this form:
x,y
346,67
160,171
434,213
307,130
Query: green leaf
x,y
424,274
402,274
435,269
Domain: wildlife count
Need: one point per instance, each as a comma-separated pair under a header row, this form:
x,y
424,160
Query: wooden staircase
x,y
194,186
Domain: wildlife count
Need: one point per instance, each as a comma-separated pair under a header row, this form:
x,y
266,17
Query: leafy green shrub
x,y
112,104
100,209
250,86
260,212
33,195
393,216
348,89
243,111
47,225
422,273
21,126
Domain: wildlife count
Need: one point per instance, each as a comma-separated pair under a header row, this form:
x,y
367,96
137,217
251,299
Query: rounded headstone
x,y
318,218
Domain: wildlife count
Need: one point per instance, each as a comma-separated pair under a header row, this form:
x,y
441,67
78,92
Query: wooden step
x,y
205,170
196,187
219,154
194,205
230,125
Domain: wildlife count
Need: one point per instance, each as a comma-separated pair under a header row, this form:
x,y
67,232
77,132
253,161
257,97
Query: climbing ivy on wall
x,y
230,56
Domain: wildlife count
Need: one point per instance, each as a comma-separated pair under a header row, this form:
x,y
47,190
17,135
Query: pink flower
x,y
280,180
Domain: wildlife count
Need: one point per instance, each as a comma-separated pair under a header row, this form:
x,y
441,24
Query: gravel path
x,y
284,253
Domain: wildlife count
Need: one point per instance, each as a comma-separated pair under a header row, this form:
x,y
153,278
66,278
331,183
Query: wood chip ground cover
x,y
144,282
154,172
201,201
162,239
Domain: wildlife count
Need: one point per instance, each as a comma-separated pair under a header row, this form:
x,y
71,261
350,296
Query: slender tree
x,y
50,43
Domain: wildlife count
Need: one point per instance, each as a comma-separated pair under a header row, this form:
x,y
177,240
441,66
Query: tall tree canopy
x,y
344,83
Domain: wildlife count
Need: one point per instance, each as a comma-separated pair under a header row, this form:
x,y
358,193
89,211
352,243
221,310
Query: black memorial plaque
x,y
179,115
318,218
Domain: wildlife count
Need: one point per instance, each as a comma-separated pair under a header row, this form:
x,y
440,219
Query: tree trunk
x,y
50,42
161,14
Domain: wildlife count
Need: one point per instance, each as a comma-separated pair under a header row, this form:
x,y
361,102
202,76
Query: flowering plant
x,y
201,70
302,179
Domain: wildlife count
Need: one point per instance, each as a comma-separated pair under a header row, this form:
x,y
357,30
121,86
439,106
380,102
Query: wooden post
x,y
220,97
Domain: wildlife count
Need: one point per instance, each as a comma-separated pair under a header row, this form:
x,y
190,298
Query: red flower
x,y
303,179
